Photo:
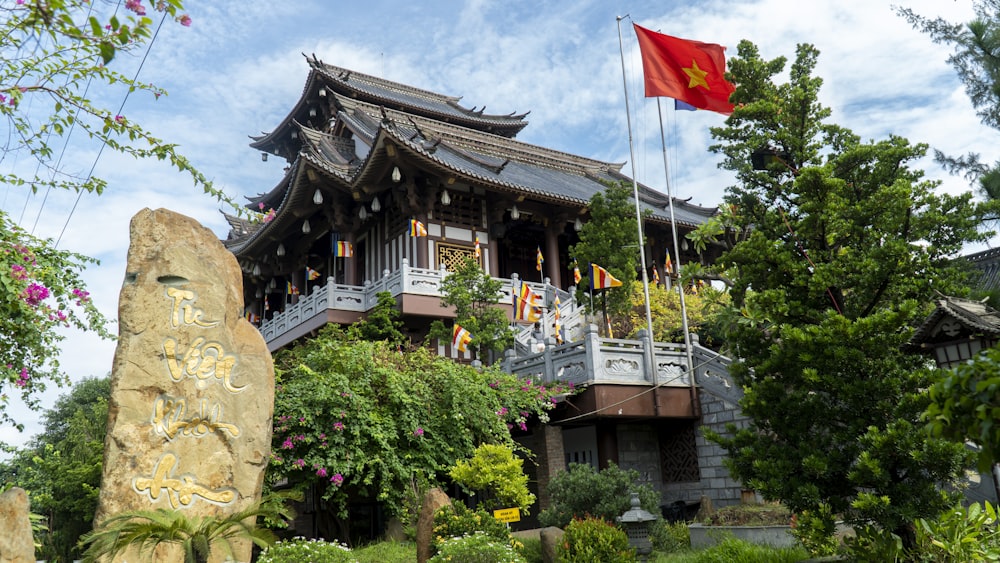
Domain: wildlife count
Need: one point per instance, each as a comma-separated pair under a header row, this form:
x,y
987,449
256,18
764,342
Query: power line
x,y
79,193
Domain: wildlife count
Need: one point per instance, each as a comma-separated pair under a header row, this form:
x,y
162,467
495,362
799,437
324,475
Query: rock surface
x,y
16,542
433,500
550,537
192,385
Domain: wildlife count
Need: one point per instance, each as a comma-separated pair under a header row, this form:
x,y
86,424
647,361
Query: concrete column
x,y
551,459
553,268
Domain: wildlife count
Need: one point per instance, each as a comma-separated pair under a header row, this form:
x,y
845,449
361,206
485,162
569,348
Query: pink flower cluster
x,y
418,432
135,6
23,378
337,479
18,272
34,294
81,296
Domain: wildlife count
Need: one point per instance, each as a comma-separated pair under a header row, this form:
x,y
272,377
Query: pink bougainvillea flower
x,y
300,462
287,444
337,479
418,432
35,294
321,472
119,118
22,379
185,20
338,426
18,272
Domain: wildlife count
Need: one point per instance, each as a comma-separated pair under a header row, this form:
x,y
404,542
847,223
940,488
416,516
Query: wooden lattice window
x,y
679,454
464,210
451,256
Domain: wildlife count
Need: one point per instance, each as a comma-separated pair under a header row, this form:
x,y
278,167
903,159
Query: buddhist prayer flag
x,y
558,316
601,278
668,265
576,272
526,304
292,290
267,306
479,253
690,71
311,274
539,259
417,229
344,249
656,275
460,338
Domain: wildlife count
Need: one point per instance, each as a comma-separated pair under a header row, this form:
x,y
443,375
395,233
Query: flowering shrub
x,y
362,418
478,547
592,540
457,520
301,550
40,290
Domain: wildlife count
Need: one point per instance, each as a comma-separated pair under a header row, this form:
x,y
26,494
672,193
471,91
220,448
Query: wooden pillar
x,y
553,269
350,265
607,443
422,258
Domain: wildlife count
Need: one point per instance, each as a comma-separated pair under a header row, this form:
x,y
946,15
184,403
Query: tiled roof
x,y
976,316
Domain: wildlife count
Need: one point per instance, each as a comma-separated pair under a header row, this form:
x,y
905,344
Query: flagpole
x,y
638,212
677,252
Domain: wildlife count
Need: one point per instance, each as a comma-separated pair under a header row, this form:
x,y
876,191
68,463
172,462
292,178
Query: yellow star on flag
x,y
696,75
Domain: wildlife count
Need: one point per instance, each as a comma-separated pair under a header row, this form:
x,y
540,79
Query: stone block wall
x,y
715,480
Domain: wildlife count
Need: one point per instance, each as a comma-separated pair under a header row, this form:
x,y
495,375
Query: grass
x,y
732,550
750,515
387,552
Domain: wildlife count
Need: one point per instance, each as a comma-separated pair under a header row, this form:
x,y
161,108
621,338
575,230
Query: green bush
x,y
669,537
298,550
387,552
477,548
458,520
593,540
816,532
960,534
606,494
732,550
497,476
531,549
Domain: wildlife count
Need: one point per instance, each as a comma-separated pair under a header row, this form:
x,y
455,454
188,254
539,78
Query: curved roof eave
x,y
268,140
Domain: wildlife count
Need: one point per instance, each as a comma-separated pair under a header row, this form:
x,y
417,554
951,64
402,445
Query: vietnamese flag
x,y
689,71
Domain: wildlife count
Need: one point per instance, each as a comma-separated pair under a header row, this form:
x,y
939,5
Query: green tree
x,y
583,491
842,246
475,295
610,239
382,322
51,53
61,467
496,475
361,419
976,58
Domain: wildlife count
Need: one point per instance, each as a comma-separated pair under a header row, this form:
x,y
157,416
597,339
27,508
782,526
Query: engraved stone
x,y
16,543
192,385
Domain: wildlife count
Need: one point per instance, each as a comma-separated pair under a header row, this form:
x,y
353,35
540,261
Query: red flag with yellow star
x,y
690,71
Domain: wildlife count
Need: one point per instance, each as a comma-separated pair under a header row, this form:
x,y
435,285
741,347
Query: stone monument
x,y
192,384
16,542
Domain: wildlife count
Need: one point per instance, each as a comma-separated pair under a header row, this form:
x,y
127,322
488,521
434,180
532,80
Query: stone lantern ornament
x,y
636,522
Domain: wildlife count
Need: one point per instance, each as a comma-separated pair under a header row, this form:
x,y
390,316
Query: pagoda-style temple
x,y
368,159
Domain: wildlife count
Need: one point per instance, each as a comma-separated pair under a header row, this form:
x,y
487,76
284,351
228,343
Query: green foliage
x,y
531,549
40,291
43,99
298,550
360,418
960,534
198,537
496,476
841,242
964,405
665,309
382,323
387,552
817,534
732,550
873,544
669,537
605,494
610,239
61,467
474,295
476,548
593,540
457,520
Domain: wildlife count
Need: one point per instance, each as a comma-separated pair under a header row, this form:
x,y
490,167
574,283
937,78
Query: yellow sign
x,y
508,514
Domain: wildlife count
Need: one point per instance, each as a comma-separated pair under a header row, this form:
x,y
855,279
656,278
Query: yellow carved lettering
x,y
202,361
180,491
183,310
169,419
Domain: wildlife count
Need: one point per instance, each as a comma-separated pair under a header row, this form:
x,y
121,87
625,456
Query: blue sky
x,y
239,68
